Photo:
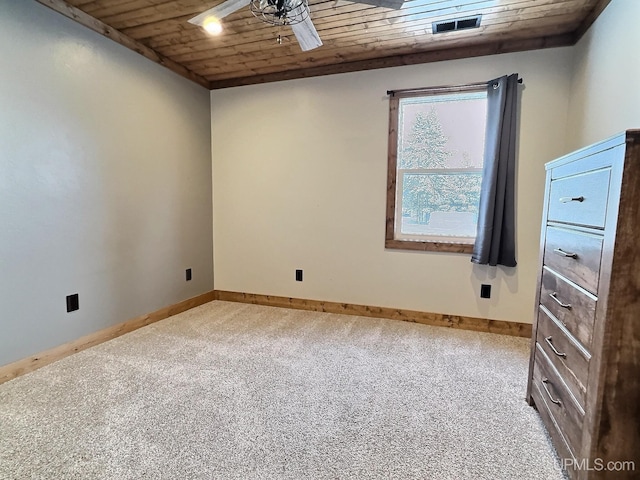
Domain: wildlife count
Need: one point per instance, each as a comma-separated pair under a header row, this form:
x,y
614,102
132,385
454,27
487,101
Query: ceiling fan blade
x,y
305,31
219,11
395,4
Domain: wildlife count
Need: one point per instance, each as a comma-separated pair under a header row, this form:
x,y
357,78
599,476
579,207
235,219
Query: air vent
x,y
444,27
457,24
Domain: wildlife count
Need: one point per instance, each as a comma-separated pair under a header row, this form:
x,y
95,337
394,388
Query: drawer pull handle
x,y
571,199
560,354
545,380
559,302
559,251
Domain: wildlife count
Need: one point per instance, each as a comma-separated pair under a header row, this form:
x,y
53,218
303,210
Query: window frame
x,y
392,172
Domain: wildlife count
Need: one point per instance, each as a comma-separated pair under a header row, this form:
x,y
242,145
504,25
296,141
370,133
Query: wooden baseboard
x,y
26,365
502,327
15,369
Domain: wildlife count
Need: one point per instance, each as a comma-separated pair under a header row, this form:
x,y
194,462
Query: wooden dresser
x,y
584,373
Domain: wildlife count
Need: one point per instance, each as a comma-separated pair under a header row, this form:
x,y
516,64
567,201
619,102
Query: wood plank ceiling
x,y
356,36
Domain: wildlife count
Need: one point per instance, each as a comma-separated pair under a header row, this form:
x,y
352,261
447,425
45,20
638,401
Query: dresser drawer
x,y
574,255
571,361
574,308
557,438
562,407
580,199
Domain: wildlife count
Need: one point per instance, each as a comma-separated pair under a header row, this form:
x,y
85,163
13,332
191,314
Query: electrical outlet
x,y
298,275
73,303
485,291
188,274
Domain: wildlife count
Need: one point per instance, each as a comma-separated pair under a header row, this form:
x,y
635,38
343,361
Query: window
x,y
436,149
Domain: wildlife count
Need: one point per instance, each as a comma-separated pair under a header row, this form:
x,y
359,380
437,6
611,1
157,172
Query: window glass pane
x,y
442,131
440,204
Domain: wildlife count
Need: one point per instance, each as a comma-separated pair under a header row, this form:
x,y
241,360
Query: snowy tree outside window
x,y
439,160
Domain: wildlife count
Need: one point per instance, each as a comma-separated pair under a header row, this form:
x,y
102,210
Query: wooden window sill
x,y
429,246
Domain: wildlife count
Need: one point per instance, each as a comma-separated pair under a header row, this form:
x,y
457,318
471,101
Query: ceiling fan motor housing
x,y
280,12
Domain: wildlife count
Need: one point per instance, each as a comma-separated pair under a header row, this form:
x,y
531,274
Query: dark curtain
x,y
495,239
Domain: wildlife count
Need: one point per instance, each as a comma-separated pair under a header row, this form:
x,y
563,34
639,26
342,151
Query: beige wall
x,y
105,189
605,98
299,171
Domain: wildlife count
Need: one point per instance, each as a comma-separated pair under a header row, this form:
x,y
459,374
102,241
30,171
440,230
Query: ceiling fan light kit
x,y
213,26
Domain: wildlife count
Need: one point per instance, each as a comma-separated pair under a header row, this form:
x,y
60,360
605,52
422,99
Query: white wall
x,y
605,98
300,182
105,188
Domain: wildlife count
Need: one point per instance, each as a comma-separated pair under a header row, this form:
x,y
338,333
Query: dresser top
x,y
632,136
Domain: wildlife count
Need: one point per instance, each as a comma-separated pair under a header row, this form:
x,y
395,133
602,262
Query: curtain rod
x,y
443,87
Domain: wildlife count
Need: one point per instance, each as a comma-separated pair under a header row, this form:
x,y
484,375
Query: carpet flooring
x,y
235,391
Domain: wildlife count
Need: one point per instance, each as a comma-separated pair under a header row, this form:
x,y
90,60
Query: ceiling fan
x,y
294,13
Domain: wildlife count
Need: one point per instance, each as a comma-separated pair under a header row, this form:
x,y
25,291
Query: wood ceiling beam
x,y
96,25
